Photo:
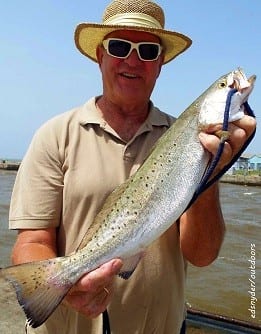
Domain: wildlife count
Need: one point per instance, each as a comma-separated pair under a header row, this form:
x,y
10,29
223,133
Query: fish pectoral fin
x,y
129,265
37,288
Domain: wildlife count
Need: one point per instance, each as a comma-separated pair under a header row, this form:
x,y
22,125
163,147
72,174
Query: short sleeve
x,y
37,194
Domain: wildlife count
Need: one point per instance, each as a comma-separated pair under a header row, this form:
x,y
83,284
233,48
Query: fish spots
x,y
132,200
37,281
104,223
113,229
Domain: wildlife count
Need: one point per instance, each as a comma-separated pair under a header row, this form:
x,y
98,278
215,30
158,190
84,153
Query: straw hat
x,y
138,15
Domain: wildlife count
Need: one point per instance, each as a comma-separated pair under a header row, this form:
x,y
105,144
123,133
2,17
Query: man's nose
x,y
133,58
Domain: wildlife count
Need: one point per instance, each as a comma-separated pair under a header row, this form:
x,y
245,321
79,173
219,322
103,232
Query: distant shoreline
x,y
245,180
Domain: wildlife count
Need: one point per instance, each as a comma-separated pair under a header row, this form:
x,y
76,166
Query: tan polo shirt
x,y
74,161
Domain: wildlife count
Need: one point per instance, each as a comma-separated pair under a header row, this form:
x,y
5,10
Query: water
x,y
6,237
223,287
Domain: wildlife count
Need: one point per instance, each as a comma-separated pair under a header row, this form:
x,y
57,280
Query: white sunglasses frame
x,y
135,46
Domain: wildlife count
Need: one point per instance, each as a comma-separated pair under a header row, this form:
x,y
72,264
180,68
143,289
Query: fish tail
x,y
39,286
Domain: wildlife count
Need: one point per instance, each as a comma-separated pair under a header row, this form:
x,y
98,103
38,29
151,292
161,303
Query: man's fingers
x,y
100,302
238,132
247,123
93,291
102,276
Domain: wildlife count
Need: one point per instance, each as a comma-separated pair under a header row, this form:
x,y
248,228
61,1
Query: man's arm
x,y
34,245
202,229
202,226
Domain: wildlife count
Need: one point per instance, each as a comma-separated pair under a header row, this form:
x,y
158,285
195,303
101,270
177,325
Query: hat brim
x,y
89,35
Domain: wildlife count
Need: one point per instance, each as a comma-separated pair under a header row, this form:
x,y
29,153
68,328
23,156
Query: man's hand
x,y
92,293
239,132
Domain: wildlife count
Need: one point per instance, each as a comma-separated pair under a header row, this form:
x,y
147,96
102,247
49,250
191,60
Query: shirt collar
x,y
90,115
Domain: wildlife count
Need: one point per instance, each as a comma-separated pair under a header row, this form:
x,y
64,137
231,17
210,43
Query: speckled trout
x,y
138,211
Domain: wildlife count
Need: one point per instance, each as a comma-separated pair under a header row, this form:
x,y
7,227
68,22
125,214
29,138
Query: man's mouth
x,y
129,75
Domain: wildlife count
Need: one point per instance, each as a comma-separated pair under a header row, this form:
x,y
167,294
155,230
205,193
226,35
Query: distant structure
x,y
254,162
9,164
247,162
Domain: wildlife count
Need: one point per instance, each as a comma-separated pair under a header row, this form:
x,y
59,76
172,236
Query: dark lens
x,y
119,48
149,51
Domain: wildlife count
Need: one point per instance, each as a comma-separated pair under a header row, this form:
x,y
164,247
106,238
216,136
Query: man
x,y
76,159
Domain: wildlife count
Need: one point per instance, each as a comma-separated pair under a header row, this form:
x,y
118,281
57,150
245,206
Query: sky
x,y
42,74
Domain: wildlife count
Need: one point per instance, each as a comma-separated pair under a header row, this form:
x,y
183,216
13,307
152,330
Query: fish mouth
x,y
238,80
252,79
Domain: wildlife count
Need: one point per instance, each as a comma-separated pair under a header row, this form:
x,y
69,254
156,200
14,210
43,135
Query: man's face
x,y
129,80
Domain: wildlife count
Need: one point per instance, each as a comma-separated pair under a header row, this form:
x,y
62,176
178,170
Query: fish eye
x,y
222,84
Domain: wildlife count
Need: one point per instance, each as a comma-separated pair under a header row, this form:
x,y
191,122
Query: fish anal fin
x,y
129,265
37,288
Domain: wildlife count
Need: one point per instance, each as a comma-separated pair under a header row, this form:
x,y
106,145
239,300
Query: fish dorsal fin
x,y
105,210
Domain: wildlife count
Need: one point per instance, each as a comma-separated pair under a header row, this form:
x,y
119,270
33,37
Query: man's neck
x,y
124,120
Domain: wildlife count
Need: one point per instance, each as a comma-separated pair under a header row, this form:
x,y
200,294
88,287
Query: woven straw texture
x,y
135,6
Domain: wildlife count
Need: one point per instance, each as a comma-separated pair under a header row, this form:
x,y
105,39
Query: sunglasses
x,y
120,48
